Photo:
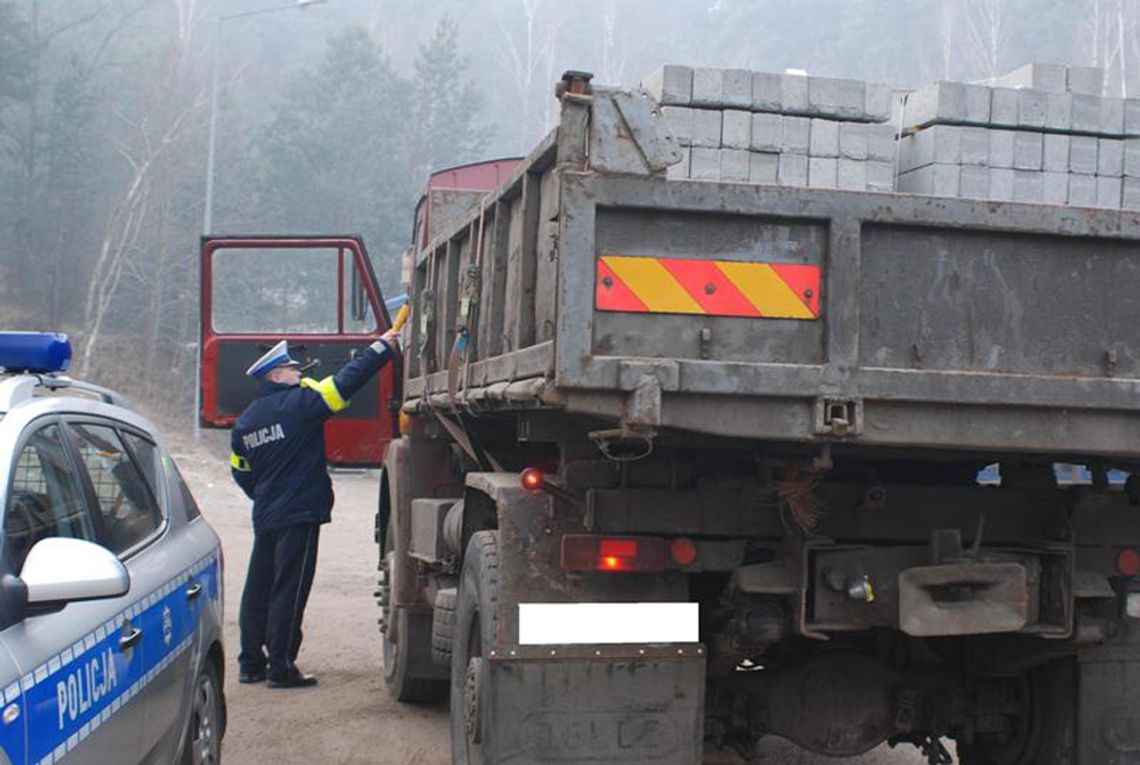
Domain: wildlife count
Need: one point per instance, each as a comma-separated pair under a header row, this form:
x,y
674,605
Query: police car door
x,y
319,293
80,666
13,728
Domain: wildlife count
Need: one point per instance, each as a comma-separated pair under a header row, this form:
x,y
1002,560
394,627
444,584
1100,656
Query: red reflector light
x,y
587,552
531,479
1128,562
683,551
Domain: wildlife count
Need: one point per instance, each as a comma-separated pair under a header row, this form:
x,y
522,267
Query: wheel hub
x,y
473,714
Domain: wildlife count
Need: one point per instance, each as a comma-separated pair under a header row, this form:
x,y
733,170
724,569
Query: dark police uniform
x,y
279,462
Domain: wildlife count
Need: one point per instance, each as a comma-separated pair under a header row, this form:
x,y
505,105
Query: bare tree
x,y
987,28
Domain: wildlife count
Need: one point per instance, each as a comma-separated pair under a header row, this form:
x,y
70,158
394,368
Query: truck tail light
x,y
683,551
531,479
587,552
1128,562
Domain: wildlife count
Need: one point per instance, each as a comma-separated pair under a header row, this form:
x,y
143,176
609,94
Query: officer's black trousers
x,y
277,588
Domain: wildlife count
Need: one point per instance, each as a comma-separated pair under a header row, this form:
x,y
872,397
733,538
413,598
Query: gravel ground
x,y
348,719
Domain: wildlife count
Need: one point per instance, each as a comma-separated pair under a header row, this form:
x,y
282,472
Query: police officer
x,y
279,462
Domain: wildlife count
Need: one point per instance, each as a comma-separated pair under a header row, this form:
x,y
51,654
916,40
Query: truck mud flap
x,y
594,704
1109,721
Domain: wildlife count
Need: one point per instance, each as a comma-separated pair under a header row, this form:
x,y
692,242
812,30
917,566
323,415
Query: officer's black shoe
x,y
248,677
292,679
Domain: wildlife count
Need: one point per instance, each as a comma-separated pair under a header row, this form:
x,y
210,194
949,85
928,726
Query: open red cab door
x,y
320,294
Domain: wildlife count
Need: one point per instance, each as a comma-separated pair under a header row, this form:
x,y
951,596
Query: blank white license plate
x,y
586,623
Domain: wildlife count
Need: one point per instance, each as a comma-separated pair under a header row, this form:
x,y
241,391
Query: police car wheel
x,y
1045,730
204,737
475,630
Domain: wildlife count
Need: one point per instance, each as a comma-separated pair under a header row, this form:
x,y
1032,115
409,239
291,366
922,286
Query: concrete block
x,y
1027,186
1001,148
680,170
672,85
974,182
1056,157
880,142
1132,158
793,94
1110,158
939,143
1082,190
679,119
942,102
736,129
1004,105
852,140
977,104
1028,150
793,170
765,92
1059,111
1032,107
1132,116
763,168
1109,192
877,102
1112,116
734,165
767,132
1055,188
824,139
1001,184
704,164
917,181
1082,155
706,128
823,172
1052,77
708,87
880,175
851,174
934,180
836,99
795,135
736,85
1086,113
1086,80
1131,196
976,146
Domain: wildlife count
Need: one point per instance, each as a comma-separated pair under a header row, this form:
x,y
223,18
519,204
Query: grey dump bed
x,y
943,323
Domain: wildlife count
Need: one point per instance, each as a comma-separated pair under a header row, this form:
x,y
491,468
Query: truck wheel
x,y
1045,733
443,625
403,635
475,632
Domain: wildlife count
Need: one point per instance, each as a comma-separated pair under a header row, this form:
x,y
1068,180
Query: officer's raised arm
x,y
333,392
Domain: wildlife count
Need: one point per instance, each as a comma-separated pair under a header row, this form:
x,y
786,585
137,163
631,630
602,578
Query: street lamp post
x,y
211,153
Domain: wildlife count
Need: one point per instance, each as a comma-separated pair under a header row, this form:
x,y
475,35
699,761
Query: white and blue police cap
x,y
277,356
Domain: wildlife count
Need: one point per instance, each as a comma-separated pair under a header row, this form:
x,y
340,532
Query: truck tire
x,y
475,632
1046,733
406,673
443,625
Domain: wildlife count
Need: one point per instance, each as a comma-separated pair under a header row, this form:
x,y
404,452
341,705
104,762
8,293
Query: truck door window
x,y
286,290
126,505
44,500
359,318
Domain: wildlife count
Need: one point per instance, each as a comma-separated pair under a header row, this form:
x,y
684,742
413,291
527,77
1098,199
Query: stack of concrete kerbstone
x,y
1043,133
786,129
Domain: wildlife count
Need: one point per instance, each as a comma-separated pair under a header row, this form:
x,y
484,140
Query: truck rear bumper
x,y
596,703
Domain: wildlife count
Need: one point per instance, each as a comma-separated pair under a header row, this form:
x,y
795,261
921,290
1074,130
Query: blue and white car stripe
x,y
71,695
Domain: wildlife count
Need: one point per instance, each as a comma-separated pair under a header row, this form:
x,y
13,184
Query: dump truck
x,y
672,465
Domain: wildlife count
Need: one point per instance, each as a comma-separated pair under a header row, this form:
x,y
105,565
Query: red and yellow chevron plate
x,y
636,284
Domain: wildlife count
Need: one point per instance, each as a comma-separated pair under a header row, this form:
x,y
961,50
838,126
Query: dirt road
x,y
348,719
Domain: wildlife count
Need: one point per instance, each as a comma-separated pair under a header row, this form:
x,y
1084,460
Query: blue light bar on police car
x,y
38,352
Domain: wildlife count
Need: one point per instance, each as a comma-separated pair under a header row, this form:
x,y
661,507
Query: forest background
x,y
331,116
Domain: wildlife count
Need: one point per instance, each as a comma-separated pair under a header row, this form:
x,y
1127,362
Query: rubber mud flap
x,y
562,704
1109,713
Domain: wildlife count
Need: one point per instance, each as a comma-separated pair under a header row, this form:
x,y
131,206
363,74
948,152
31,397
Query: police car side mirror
x,y
59,571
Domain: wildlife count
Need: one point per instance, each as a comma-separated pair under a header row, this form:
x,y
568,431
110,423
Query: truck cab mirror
x,y
59,571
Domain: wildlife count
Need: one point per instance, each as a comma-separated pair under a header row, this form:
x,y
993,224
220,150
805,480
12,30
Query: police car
x,y
110,580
